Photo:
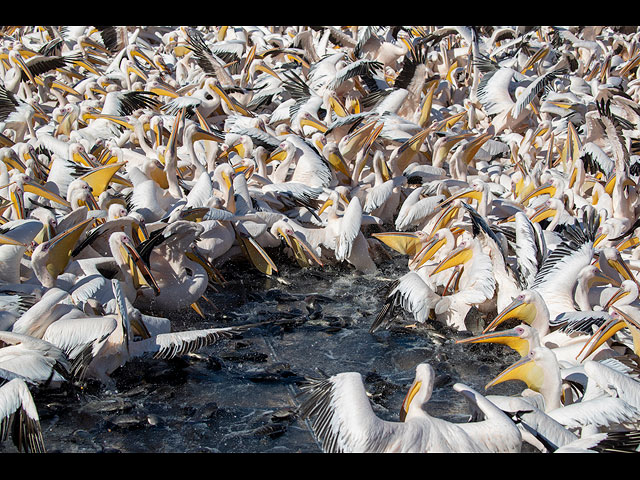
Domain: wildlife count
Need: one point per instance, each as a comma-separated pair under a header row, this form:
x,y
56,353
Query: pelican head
x,y
549,208
619,319
539,370
50,258
298,245
419,392
612,257
522,338
439,239
458,256
528,306
129,260
626,293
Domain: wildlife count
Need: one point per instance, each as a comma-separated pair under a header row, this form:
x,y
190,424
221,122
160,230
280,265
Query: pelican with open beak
x,y
458,256
300,247
546,189
24,185
100,177
406,243
438,240
405,153
50,259
130,261
352,143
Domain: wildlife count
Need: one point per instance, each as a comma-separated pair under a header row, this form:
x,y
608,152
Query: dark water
x,y
241,395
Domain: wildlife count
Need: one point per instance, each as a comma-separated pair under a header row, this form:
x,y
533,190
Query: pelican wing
x,y
494,91
68,333
596,160
201,192
605,442
349,229
125,103
497,432
37,367
560,269
312,168
410,293
260,138
210,63
599,412
530,252
582,322
170,345
299,191
362,66
40,64
611,379
344,419
18,415
532,91
414,213
379,194
8,103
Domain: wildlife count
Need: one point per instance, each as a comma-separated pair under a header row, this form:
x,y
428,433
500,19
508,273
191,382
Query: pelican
x,y
541,372
120,346
567,342
50,258
181,277
476,284
342,234
345,422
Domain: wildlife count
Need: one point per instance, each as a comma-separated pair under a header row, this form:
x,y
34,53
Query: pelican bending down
x,y
345,421
120,346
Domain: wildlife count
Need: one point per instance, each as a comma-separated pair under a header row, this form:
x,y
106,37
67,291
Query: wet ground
x,y
241,395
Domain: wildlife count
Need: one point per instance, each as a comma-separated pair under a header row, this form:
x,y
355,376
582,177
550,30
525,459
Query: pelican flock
x,y
501,164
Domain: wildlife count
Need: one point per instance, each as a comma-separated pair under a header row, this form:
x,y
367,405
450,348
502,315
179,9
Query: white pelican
x,y
541,372
120,346
50,258
556,277
343,236
345,422
476,284
567,342
383,198
181,278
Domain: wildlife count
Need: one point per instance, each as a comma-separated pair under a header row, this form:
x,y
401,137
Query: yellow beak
x,y
459,256
525,370
415,388
526,312
406,243
510,338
